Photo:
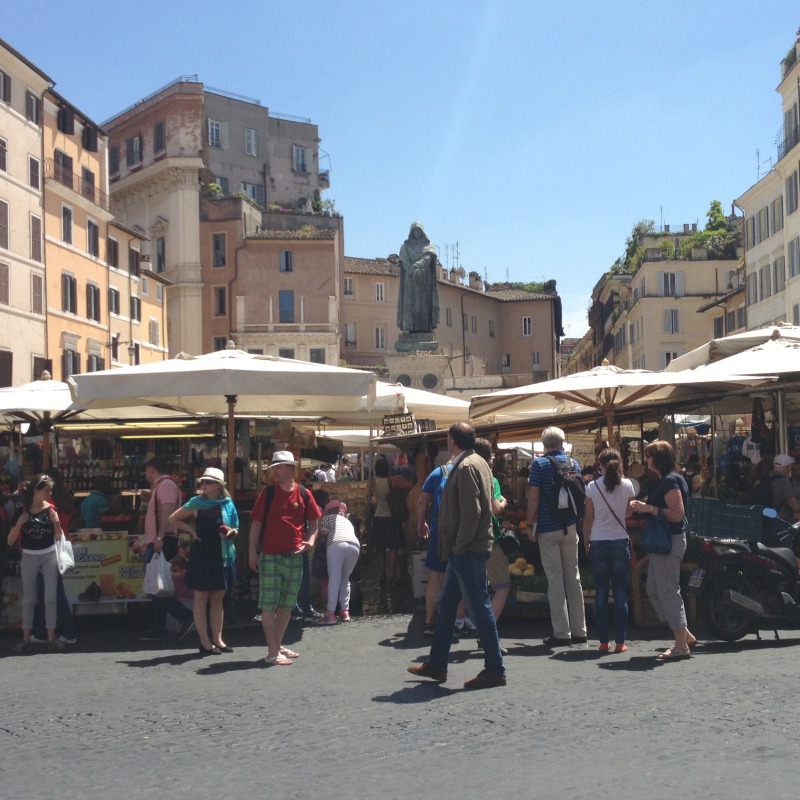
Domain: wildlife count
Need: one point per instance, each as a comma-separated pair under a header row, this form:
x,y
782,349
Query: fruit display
x,y
520,568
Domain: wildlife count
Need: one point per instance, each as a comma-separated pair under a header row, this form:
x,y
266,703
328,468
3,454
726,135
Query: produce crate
x,y
707,516
419,574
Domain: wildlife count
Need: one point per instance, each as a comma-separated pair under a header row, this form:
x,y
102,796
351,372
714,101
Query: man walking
x,y
558,545
284,522
465,539
161,537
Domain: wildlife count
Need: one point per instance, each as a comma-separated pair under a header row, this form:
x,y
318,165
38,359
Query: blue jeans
x,y
165,605
465,577
611,561
65,624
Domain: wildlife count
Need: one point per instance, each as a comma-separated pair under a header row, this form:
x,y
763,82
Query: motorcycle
x,y
745,586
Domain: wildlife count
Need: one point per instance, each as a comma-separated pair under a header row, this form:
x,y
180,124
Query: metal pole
x,y
780,404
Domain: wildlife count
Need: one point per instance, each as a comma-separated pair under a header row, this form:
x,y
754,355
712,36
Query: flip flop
x,y
285,651
278,661
674,654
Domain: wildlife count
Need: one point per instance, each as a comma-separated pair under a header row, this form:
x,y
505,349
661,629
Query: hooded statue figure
x,y
418,303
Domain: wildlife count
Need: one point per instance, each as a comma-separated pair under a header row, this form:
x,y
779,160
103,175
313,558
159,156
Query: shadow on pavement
x,y
421,692
635,664
175,660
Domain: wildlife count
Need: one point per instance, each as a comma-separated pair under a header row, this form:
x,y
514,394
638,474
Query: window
x,y
764,283
286,352
112,253
159,292
133,261
65,120
63,168
69,293
70,363
250,142
254,191
348,288
92,238
448,316
316,355
4,290
719,331
665,357
218,248
220,343
670,284
94,363
3,155
6,368
350,335
159,138
750,233
741,317
505,363
730,321
5,88
87,183
33,106
380,338
791,193
136,309
794,257
136,352
751,288
474,324
220,301
491,328
777,214
153,332
223,184
133,150
380,292
779,275
66,224
762,231
113,160
299,159
143,287
33,173
115,347
527,326
161,254
36,238
286,306
37,294
93,301
796,314
214,139
113,301
672,320
535,356
286,261
89,138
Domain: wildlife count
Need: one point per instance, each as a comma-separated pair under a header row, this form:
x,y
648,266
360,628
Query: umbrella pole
x,y
780,400
231,398
46,440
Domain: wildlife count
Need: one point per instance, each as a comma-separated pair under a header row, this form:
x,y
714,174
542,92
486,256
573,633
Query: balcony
x,y
76,183
324,179
786,140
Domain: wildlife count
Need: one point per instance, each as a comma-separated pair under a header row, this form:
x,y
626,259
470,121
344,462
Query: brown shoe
x,y
486,679
427,670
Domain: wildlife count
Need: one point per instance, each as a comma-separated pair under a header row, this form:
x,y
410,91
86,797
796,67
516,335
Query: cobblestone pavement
x,y
118,719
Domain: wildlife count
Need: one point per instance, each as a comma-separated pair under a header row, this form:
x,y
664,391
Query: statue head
x,y
417,233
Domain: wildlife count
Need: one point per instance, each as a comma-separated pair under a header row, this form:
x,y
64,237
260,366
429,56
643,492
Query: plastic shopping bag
x,y
158,577
64,555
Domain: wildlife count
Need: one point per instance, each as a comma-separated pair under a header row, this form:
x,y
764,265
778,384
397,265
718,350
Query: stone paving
x,y
119,719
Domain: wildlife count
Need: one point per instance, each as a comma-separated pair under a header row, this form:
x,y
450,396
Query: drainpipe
x,y
463,341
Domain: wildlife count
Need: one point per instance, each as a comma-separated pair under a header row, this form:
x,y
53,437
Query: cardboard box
x,y
419,574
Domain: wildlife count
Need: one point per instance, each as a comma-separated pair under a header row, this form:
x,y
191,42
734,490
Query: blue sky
x,y
532,134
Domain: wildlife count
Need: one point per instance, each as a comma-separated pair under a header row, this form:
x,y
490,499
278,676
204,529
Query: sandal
x,y
674,654
604,647
285,651
278,661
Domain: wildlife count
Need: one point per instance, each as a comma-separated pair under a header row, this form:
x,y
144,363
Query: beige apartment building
x,y
772,221
23,332
187,141
506,332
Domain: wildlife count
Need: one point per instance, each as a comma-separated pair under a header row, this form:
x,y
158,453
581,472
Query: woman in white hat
x,y
211,518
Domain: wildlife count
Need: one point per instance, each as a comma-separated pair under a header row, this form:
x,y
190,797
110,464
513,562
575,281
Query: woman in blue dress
x,y
211,518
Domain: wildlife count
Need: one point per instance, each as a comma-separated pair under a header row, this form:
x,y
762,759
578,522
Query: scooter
x,y
743,586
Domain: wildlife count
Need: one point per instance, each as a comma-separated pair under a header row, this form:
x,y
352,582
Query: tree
x,y
716,219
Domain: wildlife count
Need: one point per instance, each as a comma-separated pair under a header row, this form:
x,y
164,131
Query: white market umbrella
x,y
606,389
394,398
217,383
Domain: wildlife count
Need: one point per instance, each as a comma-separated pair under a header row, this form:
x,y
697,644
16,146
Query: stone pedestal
x,y
416,342
419,370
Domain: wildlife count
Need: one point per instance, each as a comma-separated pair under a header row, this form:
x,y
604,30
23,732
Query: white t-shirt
x,y
604,525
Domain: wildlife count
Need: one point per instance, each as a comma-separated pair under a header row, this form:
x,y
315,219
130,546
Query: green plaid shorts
x,y
279,579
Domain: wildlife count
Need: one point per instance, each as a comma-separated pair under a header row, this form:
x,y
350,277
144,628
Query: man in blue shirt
x,y
558,548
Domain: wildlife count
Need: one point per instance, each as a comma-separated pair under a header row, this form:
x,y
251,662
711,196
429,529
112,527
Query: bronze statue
x,y
418,304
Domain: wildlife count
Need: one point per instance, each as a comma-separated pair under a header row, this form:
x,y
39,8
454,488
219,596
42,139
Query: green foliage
x,y
721,237
537,287
791,56
716,219
215,190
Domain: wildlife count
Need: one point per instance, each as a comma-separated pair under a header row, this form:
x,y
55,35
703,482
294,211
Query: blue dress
x,y
206,570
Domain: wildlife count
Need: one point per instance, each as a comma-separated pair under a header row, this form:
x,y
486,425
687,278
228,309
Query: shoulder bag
x,y
656,536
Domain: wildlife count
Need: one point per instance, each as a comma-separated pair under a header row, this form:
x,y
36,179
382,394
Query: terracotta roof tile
x,y
318,235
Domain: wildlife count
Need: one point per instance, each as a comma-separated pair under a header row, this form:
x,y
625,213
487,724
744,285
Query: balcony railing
x,y
786,140
76,183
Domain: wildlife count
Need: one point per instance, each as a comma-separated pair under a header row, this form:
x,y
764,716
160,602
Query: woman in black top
x,y
37,530
667,497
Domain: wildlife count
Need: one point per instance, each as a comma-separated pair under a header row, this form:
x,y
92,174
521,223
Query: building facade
x,y
23,294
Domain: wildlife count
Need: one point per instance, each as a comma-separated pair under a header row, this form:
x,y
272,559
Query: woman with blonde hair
x,y
211,518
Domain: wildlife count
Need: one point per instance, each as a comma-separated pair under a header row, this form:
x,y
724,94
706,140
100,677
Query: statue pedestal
x,y
416,342
419,370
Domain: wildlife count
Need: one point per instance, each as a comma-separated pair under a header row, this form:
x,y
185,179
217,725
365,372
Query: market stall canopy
x,y
718,349
394,398
775,356
219,382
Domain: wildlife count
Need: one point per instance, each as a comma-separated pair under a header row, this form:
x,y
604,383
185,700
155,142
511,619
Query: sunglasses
x,y
45,481
208,480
